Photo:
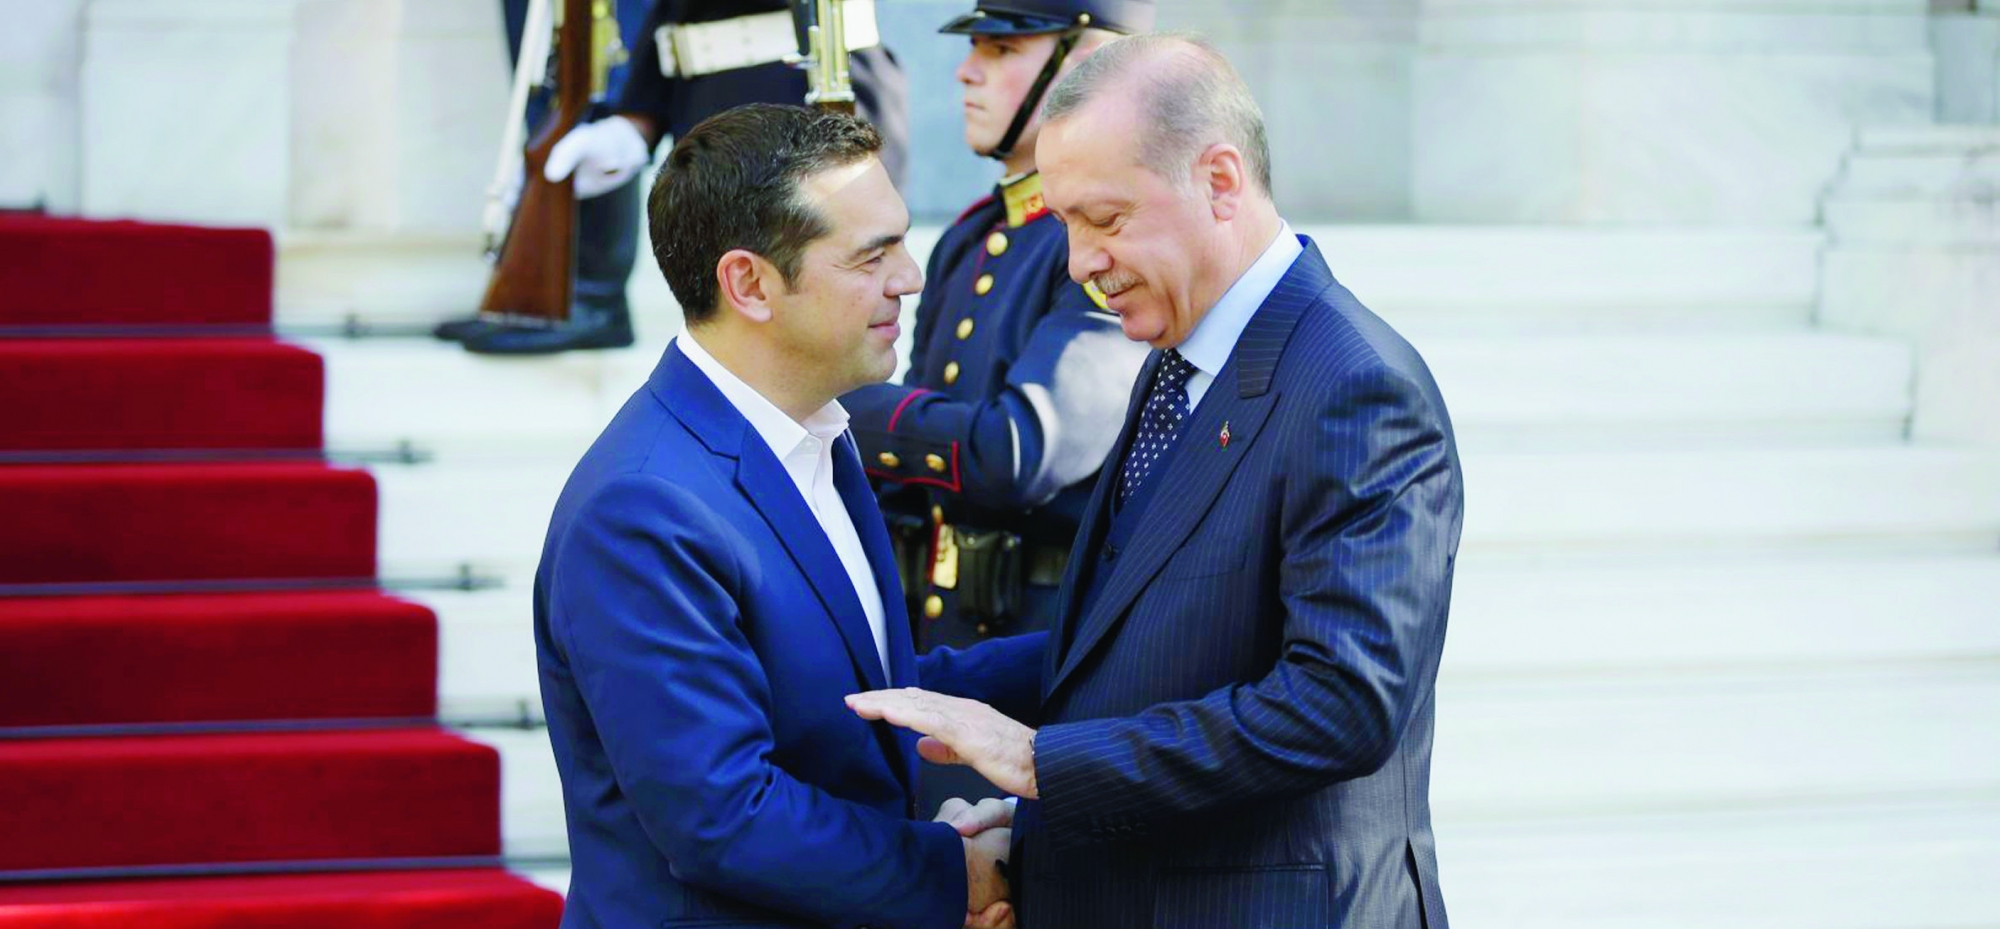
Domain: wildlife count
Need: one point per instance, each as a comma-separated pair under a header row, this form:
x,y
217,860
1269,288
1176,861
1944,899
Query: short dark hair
x,y
733,182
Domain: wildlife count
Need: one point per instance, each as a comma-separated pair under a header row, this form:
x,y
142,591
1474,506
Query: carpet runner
x,y
197,673
142,394
109,660
385,900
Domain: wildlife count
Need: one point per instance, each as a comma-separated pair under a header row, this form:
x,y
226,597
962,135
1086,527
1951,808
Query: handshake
x,y
985,828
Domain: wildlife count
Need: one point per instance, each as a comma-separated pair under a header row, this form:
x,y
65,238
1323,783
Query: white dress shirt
x,y
1214,338
806,450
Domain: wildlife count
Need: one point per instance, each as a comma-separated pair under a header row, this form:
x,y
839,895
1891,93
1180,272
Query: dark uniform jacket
x,y
679,104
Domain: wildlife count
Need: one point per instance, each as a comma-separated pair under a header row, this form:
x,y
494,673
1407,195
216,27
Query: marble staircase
x,y
1725,644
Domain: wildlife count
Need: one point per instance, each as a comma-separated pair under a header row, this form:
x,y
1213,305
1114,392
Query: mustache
x,y
1114,283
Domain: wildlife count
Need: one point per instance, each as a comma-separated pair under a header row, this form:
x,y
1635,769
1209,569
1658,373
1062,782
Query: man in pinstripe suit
x,y
1237,701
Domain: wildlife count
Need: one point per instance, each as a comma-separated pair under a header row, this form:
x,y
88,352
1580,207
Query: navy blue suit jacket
x,y
696,634
1237,731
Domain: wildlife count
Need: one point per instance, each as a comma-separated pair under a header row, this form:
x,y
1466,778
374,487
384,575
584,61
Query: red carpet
x,y
242,646
252,656
151,800
72,272
159,394
458,899
165,522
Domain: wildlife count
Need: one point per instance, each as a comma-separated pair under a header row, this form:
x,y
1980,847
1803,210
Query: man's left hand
x,y
959,731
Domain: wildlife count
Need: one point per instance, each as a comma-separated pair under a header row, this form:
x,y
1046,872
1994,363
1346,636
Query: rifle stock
x,y
534,277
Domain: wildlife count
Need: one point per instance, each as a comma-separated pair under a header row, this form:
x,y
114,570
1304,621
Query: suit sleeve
x,y
1369,523
1003,673
645,581
1051,426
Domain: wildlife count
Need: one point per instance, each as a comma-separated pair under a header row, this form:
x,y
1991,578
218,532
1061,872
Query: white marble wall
x,y
1968,65
1654,111
1914,224
1334,82
40,50
184,110
375,116
397,112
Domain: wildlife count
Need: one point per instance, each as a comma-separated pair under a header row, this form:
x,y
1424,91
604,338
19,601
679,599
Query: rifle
x,y
534,270
823,28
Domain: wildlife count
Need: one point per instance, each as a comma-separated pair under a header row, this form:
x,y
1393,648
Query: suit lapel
x,y
1090,531
691,398
1241,398
866,513
771,490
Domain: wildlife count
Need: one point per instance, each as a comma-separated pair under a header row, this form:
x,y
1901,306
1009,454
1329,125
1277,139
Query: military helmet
x,y
1043,17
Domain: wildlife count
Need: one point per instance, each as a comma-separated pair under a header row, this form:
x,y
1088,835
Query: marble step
x,y
1562,619
1517,754
1866,866
1921,864
1504,392
493,516
1486,277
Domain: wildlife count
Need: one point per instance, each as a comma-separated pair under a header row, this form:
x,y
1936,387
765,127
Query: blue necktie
x,y
1166,408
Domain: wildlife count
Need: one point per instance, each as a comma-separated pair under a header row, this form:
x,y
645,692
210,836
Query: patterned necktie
x,y
1166,407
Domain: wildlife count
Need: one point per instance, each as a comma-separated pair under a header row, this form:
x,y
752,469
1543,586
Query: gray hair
x,y
1191,97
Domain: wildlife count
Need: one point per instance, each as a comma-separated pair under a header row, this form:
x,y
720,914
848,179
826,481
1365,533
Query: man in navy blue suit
x,y
1237,704
717,576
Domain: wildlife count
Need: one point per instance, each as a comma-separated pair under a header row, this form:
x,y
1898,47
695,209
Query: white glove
x,y
603,155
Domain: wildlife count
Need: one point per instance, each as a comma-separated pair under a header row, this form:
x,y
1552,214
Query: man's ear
x,y
1223,177
747,284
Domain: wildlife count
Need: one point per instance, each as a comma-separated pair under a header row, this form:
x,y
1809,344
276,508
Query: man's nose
x,y
908,279
1086,261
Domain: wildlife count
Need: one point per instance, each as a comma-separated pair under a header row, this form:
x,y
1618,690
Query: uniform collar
x,y
1022,194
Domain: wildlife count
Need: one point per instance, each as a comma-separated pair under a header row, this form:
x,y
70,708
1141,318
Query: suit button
x,y
981,629
935,463
984,285
964,329
933,606
951,373
937,516
996,243
889,460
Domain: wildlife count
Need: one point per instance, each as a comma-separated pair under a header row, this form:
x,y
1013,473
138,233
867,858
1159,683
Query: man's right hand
x,y
987,905
603,155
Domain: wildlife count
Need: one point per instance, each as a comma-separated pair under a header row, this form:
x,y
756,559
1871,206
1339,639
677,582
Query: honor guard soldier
x,y
692,59
1018,376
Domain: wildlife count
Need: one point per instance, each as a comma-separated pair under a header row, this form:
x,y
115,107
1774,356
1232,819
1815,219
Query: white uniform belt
x,y
695,49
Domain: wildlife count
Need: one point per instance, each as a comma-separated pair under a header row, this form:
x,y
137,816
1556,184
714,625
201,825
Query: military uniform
x,y
1017,383
677,95
681,101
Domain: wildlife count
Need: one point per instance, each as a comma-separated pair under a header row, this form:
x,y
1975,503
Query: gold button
x,y
964,329
936,463
937,515
933,606
951,373
983,285
889,460
996,243
982,628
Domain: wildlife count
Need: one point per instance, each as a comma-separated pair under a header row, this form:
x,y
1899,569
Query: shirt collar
x,y
778,430
1208,347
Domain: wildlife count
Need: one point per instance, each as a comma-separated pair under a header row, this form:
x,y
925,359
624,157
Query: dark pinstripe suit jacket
x,y
1238,731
